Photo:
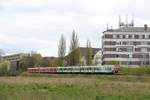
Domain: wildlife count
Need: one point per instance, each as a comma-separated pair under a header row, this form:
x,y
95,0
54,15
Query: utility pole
x,y
39,68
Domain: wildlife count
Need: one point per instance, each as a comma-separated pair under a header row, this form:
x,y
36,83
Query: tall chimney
x,y
145,27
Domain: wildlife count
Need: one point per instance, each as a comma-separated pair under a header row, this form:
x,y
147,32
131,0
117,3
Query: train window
x,y
82,68
69,68
77,69
89,68
74,68
108,68
95,68
99,68
116,67
65,68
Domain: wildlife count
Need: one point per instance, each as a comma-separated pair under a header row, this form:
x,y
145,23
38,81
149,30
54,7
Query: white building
x,y
15,59
97,59
96,56
128,45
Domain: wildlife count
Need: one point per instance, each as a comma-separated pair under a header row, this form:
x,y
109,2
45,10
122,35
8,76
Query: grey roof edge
x,y
129,29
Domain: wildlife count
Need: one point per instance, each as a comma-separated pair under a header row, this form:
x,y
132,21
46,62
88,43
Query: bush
x,y
4,67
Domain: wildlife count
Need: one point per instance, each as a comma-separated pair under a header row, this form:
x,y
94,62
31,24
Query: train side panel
x,y
77,69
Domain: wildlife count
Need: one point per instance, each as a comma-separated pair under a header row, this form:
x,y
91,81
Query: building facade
x,y
15,60
97,59
96,56
128,45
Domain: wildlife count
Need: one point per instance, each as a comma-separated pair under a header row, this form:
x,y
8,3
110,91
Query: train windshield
x,y
116,67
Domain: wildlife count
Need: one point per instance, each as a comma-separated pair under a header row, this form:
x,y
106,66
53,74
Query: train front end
x,y
116,69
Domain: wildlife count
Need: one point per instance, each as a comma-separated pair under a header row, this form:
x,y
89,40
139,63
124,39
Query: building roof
x,y
83,50
15,57
129,29
11,55
94,51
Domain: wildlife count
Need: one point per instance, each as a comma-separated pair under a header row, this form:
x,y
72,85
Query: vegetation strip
x,y
80,87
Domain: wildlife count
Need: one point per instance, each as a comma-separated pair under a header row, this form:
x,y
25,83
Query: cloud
x,y
139,8
42,5
37,24
26,43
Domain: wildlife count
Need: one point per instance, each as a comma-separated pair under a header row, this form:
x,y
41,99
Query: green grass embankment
x,y
134,71
80,87
132,84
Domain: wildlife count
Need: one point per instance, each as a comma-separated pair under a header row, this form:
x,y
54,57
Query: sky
x,y
36,25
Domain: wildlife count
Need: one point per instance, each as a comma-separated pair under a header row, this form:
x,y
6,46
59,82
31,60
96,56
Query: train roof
x,y
76,66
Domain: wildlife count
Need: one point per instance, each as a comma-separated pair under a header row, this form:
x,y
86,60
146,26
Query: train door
x,y
55,69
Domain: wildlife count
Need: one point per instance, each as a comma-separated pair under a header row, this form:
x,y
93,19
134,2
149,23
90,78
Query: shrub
x,y
4,67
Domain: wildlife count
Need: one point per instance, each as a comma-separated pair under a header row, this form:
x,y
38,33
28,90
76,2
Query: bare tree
x,y
62,47
75,53
88,53
61,51
74,42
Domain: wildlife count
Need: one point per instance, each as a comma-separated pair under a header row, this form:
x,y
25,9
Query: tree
x,y
61,51
4,67
26,63
54,62
75,53
31,61
88,53
50,62
37,60
46,62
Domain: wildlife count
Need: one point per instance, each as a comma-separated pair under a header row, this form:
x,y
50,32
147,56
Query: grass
x,y
135,71
76,87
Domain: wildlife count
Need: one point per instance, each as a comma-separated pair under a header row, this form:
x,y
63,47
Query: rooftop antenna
x,y
119,22
107,26
126,20
111,26
133,21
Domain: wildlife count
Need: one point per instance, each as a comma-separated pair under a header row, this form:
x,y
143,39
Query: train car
x,y
107,69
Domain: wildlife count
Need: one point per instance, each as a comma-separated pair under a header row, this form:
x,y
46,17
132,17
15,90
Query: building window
x,y
116,49
120,36
126,36
129,49
130,55
133,37
117,56
119,49
114,36
143,43
118,43
140,36
146,36
129,43
143,49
